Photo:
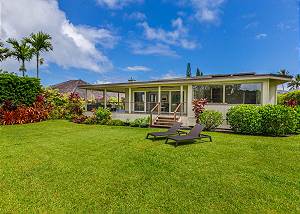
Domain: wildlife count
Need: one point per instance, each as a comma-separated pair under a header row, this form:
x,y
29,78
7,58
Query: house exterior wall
x,y
268,96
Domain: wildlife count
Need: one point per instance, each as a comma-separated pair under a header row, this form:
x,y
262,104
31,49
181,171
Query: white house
x,y
170,100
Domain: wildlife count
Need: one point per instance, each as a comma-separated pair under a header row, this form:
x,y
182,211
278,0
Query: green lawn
x,y
58,166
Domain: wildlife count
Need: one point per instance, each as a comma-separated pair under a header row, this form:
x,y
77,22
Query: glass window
x,y
243,94
213,93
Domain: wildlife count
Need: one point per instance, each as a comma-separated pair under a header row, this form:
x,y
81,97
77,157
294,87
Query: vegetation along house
x,y
170,100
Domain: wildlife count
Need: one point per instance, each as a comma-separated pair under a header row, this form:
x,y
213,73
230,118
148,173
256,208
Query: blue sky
x,y
155,39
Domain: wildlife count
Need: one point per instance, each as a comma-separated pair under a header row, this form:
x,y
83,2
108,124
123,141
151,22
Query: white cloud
x,y
207,10
138,68
150,49
117,4
74,46
261,36
170,75
135,16
177,37
102,82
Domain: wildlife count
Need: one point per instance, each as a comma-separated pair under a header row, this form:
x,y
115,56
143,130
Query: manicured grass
x,y
57,166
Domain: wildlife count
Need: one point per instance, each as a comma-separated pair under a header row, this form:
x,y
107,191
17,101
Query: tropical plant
x,y
199,73
188,70
21,51
295,83
292,97
198,107
11,114
103,115
40,42
4,52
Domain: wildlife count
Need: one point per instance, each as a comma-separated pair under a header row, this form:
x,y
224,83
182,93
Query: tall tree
x,y
21,51
188,70
295,83
4,52
283,72
40,42
199,73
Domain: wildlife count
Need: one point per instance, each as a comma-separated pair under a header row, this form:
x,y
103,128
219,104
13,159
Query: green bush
x,y
59,103
116,123
211,119
19,90
274,120
140,122
284,98
103,116
245,119
91,120
278,120
297,109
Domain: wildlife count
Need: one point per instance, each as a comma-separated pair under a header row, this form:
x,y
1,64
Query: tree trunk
x,y
23,68
37,65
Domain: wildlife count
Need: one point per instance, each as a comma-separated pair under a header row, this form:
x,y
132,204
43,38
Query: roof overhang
x,y
212,79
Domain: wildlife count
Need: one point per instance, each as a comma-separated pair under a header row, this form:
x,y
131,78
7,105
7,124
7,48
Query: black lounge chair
x,y
171,131
193,135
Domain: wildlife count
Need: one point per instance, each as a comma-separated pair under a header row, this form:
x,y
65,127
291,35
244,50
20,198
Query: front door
x,y
175,100
139,101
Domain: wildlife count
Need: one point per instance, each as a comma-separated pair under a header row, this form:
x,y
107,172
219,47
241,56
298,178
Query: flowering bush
x,y
75,105
63,106
198,107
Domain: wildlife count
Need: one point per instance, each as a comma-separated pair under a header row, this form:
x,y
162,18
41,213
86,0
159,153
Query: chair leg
x,y
210,139
147,136
176,143
166,140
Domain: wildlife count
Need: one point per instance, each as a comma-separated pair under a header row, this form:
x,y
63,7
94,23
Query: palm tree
x,y
295,83
21,51
283,72
4,52
40,42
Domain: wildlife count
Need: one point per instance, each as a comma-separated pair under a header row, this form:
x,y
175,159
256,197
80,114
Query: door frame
x,y
145,103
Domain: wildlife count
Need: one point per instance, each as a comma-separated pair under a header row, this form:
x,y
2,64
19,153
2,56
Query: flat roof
x,y
205,78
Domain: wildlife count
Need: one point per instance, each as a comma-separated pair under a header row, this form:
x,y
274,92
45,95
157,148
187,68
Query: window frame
x,y
224,92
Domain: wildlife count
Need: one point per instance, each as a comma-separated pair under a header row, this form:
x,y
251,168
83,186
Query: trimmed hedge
x,y
273,120
211,119
19,90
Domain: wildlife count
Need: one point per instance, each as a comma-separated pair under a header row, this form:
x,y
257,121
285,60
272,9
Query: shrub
x,y
198,107
275,120
75,106
293,96
297,109
79,119
103,115
18,90
211,119
116,123
140,122
245,119
10,115
91,120
278,120
58,102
